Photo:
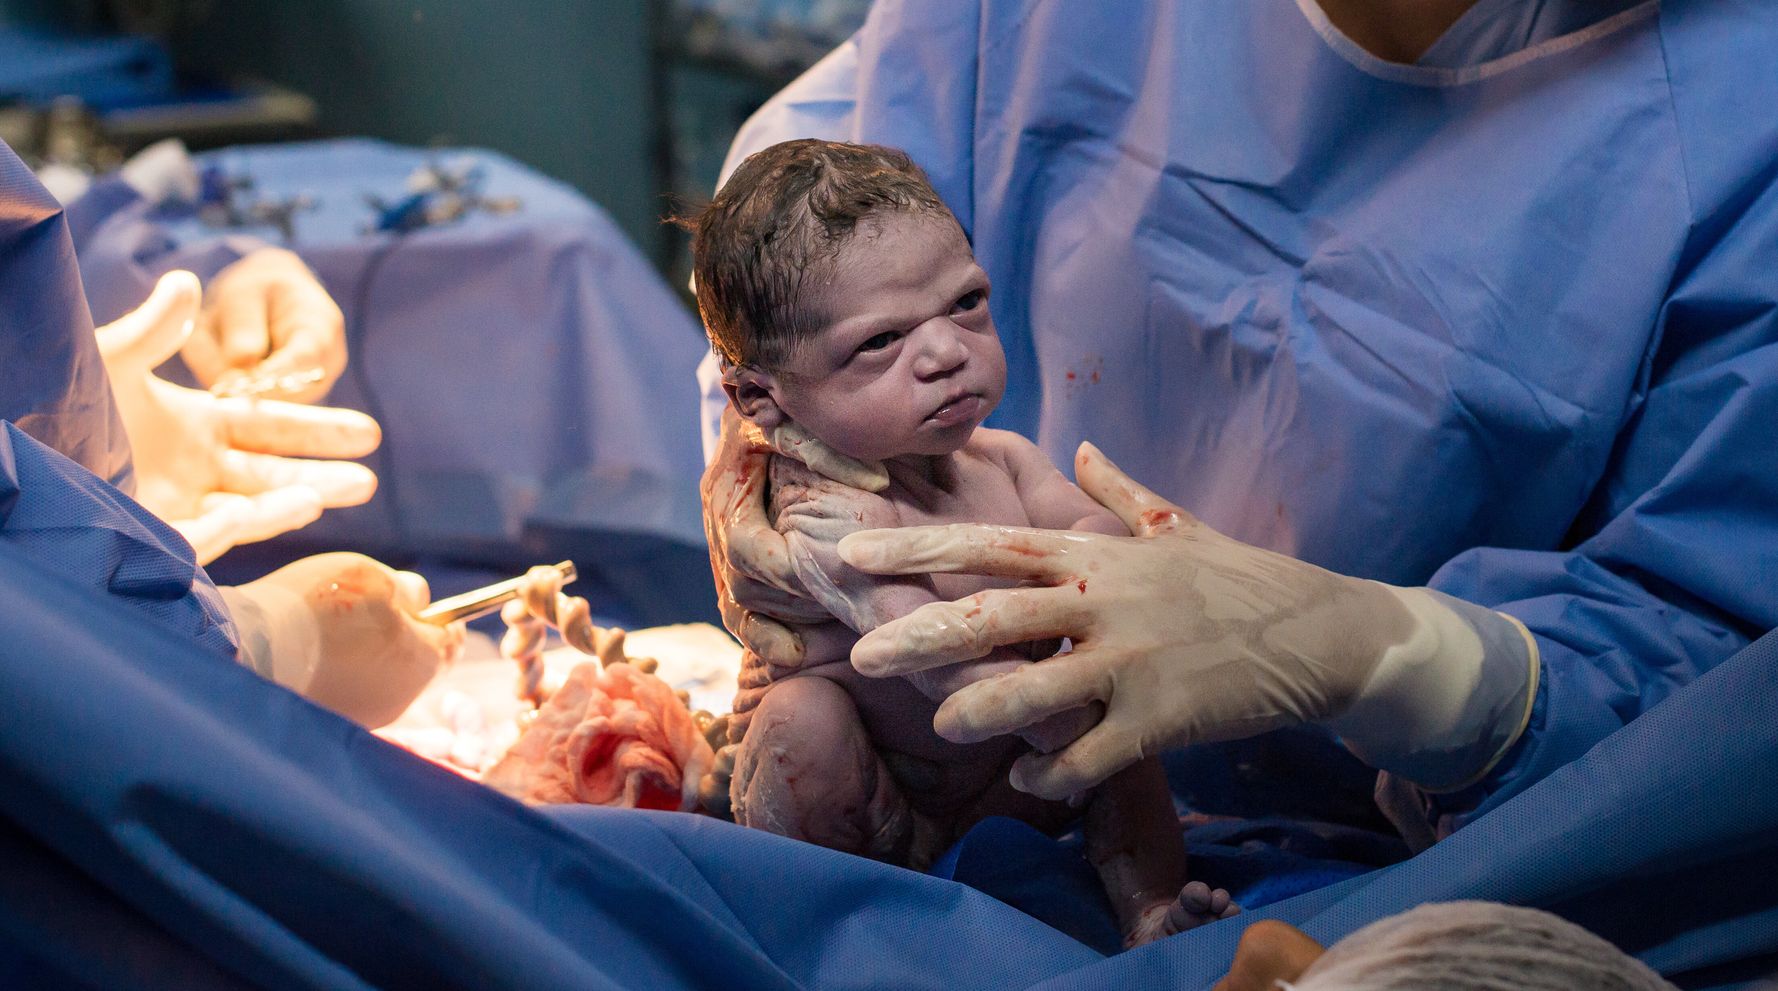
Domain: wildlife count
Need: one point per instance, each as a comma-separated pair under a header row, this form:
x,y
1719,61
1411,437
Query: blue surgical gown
x,y
64,458
1505,324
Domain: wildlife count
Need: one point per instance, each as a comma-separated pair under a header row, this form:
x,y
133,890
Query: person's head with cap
x,y
1453,946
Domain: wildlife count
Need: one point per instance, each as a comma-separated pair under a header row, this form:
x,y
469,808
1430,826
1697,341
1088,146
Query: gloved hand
x,y
221,471
761,600
339,629
267,319
1188,636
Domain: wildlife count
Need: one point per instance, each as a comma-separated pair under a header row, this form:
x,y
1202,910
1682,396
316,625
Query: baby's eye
x,y
968,301
880,341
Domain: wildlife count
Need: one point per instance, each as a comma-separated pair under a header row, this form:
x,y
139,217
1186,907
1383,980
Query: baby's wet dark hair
x,y
784,213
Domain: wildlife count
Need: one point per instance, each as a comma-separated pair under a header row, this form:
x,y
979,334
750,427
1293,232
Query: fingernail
x,y
1016,778
869,655
861,550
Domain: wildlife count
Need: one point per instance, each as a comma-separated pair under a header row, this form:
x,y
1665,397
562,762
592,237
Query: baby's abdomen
x,y
936,773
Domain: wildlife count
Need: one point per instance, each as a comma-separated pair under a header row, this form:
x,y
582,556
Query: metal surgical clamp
x,y
484,600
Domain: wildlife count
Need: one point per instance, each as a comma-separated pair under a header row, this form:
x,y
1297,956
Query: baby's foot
x,y
1196,905
713,788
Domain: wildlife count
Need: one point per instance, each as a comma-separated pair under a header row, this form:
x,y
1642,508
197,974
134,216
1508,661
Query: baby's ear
x,y
750,392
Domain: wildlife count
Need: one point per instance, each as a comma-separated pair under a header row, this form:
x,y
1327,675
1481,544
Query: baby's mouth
x,y
956,410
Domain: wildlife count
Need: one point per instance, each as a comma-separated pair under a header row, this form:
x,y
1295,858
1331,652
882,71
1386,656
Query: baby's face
x,y
907,360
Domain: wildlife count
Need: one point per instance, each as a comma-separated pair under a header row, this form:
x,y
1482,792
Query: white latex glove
x,y
758,593
339,629
222,471
267,320
1188,636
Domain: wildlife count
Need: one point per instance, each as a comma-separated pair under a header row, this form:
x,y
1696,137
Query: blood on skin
x,y
1159,517
344,594
1082,585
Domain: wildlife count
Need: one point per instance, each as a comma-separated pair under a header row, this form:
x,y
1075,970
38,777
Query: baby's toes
x,y
1229,909
1198,904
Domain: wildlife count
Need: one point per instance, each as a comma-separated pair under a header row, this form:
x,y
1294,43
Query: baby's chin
x,y
923,446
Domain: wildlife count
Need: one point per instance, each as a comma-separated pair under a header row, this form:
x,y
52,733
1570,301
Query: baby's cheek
x,y
867,422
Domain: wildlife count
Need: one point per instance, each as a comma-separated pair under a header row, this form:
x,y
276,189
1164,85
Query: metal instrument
x,y
484,600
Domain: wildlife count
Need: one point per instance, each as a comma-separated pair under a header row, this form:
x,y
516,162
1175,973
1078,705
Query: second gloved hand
x,y
225,471
762,603
266,319
340,629
1188,636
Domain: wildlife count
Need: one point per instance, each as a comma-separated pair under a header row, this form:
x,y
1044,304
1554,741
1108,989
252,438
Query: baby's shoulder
x,y
1009,451
987,440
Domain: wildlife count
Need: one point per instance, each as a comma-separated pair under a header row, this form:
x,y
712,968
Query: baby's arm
x,y
1051,500
813,515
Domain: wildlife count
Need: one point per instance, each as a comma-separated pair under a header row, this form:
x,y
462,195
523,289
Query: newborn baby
x,y
845,300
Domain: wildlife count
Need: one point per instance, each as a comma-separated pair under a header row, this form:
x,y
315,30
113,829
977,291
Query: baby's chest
x,y
983,495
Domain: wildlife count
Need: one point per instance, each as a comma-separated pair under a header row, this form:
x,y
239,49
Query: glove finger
x,y
412,593
1100,753
970,548
308,345
338,483
203,355
941,633
273,427
1021,699
774,643
734,494
153,332
242,323
760,554
791,440
229,519
1145,513
758,597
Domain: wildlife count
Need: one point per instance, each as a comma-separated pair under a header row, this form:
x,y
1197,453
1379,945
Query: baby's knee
x,y
805,749
807,714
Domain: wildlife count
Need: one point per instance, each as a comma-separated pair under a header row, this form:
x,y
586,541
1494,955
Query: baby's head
x,y
841,294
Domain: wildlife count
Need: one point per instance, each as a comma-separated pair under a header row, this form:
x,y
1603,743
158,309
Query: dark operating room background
x,y
631,102
626,100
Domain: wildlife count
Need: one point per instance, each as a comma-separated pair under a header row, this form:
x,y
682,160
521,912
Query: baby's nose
x,y
941,349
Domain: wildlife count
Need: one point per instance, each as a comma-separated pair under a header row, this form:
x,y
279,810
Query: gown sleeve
x,y
1673,564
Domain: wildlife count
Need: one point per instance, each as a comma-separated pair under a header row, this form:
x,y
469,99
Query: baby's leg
x,y
1134,842
807,770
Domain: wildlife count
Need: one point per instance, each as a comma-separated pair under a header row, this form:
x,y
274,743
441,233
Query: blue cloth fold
x,y
232,830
